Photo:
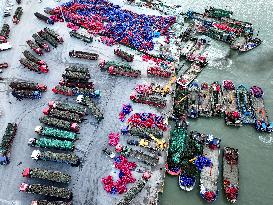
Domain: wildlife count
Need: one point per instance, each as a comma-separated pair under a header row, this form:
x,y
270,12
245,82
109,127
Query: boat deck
x,y
229,100
209,175
205,102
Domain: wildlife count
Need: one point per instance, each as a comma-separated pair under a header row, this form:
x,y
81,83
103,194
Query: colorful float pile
x,y
124,26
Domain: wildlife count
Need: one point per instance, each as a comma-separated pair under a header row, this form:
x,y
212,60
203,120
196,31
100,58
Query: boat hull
x,y
231,174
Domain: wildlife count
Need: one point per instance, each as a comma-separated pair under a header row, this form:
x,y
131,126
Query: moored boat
x,y
205,103
250,44
180,102
231,173
197,50
244,105
232,115
188,46
187,178
262,123
177,150
192,72
209,174
216,99
217,13
193,100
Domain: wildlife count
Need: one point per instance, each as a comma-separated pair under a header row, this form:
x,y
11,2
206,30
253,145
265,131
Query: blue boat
x,y
262,123
244,105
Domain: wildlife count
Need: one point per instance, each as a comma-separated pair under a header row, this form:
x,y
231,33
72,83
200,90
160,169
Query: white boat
x,y
209,175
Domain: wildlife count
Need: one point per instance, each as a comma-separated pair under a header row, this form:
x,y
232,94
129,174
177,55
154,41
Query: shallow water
x,y
255,67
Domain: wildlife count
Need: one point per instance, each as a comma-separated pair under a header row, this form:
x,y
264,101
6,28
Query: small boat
x,y
217,13
232,115
188,47
193,100
216,99
244,105
197,50
209,174
173,171
231,173
187,178
250,44
238,42
262,122
177,150
186,35
192,72
180,104
205,96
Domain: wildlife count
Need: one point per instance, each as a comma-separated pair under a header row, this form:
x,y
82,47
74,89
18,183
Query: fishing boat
x,y
188,46
232,115
217,13
238,42
186,35
192,72
250,44
187,178
209,174
177,150
216,99
244,105
231,173
193,100
180,105
262,123
205,96
197,50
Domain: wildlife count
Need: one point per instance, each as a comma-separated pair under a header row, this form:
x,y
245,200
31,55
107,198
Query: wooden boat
x,y
209,175
232,115
205,103
192,72
216,99
193,100
217,13
250,44
231,174
187,178
177,150
197,50
262,123
180,105
188,47
244,105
